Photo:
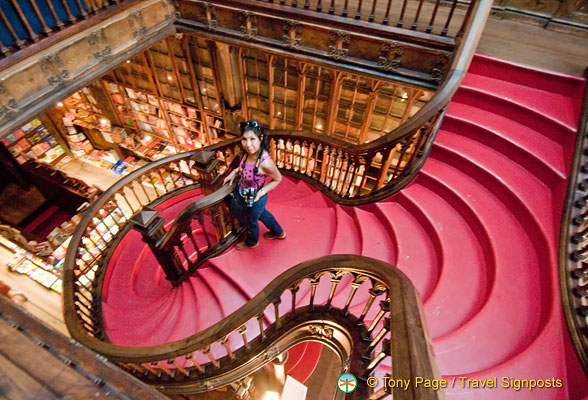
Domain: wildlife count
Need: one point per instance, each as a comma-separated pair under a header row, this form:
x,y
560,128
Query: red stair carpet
x,y
476,232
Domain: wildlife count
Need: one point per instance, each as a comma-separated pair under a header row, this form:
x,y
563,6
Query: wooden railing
x,y
202,230
277,318
25,22
98,233
573,251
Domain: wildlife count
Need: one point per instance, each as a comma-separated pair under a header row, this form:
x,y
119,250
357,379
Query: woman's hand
x,y
259,195
231,177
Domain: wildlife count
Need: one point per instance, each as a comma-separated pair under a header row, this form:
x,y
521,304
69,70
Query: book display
x,y
33,141
44,262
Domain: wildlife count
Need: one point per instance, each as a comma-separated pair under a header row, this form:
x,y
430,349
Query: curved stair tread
x,y
140,334
462,283
310,234
290,189
535,163
548,81
521,125
416,254
557,106
500,335
375,238
315,200
524,185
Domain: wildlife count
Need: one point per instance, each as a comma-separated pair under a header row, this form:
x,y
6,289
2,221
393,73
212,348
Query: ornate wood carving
x,y
292,31
210,16
337,40
390,55
248,24
53,68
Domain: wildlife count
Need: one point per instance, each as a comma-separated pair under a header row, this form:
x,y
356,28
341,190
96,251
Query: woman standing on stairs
x,y
250,197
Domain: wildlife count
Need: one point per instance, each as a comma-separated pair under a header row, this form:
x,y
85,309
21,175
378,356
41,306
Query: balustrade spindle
x,y
386,19
371,17
19,43
345,9
54,14
334,283
225,343
70,16
449,17
184,253
296,152
180,368
306,4
190,357
134,366
385,329
580,219
211,357
260,322
91,5
163,182
294,292
4,50
376,361
324,165
295,3
358,12
354,286
313,285
40,17
580,255
191,236
153,183
122,194
319,6
200,220
141,184
400,22
581,273
373,294
277,303
465,20
332,7
303,157
25,21
581,291
132,189
384,308
433,16
82,11
243,332
149,368
579,237
166,370
416,16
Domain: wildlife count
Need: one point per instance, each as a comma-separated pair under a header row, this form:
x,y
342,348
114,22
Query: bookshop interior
x,y
164,101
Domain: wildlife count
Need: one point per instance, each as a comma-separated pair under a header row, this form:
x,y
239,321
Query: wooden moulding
x,y
422,58
31,85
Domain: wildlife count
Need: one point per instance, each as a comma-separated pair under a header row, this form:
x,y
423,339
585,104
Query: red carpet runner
x,y
477,232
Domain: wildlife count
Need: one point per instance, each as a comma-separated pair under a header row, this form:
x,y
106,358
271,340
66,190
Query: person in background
x,y
249,200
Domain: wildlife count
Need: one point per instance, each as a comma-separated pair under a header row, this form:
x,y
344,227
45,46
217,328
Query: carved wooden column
x,y
209,178
150,224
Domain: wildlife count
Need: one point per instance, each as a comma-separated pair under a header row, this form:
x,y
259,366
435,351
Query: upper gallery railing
x,y
573,251
25,22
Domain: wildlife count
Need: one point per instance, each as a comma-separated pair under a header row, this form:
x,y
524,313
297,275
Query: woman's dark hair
x,y
256,127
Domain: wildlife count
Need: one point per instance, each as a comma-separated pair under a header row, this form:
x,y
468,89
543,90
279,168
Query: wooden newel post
x,y
207,165
150,224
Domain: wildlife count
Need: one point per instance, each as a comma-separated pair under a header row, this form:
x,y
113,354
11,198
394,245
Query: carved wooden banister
x,y
181,250
266,326
573,247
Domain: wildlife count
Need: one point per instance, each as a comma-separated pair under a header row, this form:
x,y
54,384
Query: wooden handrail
x,y
573,245
52,32
407,346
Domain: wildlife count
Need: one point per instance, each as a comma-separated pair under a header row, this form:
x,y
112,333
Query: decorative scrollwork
x,y
323,331
136,18
440,63
52,64
390,55
292,30
248,24
337,40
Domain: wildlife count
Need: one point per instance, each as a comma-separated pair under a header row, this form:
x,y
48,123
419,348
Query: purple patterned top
x,y
248,180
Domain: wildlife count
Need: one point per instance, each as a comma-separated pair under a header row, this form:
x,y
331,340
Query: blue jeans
x,y
248,216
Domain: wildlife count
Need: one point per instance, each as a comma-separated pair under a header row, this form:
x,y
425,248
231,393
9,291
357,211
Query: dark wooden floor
x,y
533,45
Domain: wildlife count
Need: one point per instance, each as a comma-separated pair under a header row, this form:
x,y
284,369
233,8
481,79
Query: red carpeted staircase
x,y
476,232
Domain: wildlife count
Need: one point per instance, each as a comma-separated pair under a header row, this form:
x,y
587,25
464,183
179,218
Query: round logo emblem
x,y
347,383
